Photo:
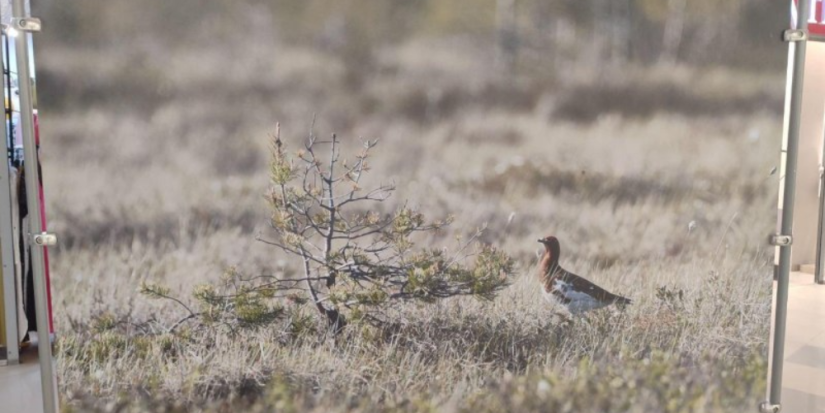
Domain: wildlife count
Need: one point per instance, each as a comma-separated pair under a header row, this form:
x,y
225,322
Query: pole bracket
x,y
45,239
26,24
767,407
795,35
780,240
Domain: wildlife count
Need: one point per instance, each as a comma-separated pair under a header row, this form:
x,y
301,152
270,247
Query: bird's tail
x,y
621,301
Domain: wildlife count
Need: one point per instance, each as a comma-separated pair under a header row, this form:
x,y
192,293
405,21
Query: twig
x,y
181,321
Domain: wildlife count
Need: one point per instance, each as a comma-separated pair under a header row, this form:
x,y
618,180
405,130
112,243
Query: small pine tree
x,y
355,260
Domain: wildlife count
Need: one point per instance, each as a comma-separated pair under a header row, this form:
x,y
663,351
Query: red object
x,y
816,21
43,224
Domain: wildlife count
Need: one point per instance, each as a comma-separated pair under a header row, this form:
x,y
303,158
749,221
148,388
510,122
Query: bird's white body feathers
x,y
576,302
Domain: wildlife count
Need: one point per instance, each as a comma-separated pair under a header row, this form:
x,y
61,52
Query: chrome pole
x,y
819,271
47,376
798,43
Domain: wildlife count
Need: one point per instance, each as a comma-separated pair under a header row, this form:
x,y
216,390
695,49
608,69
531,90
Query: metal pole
x,y
44,349
786,228
819,274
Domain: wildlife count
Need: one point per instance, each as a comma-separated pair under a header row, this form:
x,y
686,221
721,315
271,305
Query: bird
x,y
575,293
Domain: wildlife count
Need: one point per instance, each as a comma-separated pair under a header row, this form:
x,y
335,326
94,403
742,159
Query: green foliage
x,y
104,322
101,347
431,276
154,290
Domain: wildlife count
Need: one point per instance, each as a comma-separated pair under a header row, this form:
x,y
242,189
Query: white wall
x,y
812,131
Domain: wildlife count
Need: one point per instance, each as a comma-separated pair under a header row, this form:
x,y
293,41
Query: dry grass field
x,y
657,182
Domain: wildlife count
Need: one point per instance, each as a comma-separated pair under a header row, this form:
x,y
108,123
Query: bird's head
x,y
551,246
548,240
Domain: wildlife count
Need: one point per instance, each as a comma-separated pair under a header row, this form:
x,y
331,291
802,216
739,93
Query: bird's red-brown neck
x,y
549,264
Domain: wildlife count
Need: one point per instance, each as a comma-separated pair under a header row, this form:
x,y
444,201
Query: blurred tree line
x,y
524,32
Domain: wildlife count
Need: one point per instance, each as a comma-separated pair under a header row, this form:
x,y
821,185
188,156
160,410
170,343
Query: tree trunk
x,y
507,41
620,32
674,30
335,320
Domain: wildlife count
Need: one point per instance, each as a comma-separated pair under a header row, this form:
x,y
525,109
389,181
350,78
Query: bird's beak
x,y
541,241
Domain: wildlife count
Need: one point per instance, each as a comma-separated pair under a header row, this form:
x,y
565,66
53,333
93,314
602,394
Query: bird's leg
x,y
563,317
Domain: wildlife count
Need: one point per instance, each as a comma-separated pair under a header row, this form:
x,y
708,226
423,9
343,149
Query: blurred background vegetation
x,y
641,132
564,32
536,41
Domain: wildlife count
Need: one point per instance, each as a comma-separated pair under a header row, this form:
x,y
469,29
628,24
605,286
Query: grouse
x,y
573,292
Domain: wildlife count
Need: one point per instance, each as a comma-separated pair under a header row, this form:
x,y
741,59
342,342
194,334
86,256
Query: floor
x,y
803,384
20,389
